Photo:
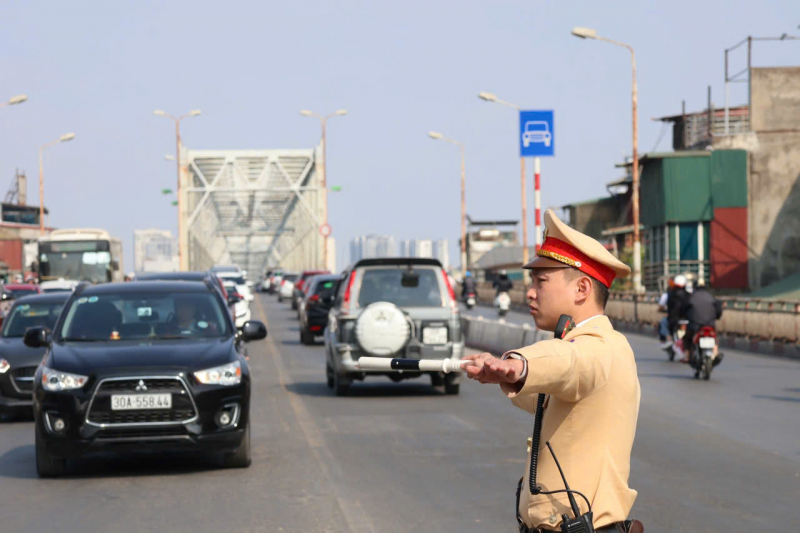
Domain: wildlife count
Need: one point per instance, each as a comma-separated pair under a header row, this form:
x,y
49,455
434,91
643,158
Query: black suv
x,y
152,365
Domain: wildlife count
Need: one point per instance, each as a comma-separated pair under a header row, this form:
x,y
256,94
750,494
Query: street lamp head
x,y
17,99
584,33
489,97
169,157
435,135
341,112
306,113
67,137
159,112
194,112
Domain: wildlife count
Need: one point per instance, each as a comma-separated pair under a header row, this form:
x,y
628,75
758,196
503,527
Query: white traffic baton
x,y
423,365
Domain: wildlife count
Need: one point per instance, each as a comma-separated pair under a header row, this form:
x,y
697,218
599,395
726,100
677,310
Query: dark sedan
x,y
315,307
18,362
146,365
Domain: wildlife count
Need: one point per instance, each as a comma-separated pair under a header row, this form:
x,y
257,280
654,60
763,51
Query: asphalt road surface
x,y
714,456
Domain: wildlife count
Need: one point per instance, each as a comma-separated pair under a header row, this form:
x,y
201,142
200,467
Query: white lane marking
x,y
357,519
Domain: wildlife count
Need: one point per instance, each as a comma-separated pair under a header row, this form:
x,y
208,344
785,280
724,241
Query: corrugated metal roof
x,y
666,155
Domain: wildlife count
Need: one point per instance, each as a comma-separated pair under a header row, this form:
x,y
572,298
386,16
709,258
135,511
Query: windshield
x,y
236,280
290,277
26,316
385,285
80,260
136,316
48,291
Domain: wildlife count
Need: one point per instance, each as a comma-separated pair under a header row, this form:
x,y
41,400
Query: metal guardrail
x,y
754,318
751,318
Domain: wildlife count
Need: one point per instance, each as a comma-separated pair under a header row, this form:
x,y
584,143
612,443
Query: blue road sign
x,y
536,136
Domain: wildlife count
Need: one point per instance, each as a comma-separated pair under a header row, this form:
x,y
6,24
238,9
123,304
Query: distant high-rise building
x,y
424,248
371,246
436,249
441,253
155,250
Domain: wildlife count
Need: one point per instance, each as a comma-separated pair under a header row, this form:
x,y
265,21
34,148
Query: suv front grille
x,y
183,408
23,378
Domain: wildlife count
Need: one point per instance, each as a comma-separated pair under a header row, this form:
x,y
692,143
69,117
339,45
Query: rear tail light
x,y
449,289
346,304
313,299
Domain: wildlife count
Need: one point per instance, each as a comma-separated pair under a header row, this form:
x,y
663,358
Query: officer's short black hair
x,y
600,291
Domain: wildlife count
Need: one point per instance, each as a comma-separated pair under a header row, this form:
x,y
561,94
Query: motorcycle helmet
x,y
680,280
503,273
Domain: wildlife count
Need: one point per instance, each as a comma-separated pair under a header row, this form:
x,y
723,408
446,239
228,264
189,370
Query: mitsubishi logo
x,y
141,387
382,316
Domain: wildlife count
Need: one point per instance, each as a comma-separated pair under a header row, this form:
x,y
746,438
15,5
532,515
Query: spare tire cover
x,y
382,329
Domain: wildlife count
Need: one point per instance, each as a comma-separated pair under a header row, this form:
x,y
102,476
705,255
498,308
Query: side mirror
x,y
234,298
37,337
254,330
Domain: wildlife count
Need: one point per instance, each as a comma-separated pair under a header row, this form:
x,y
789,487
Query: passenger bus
x,y
81,254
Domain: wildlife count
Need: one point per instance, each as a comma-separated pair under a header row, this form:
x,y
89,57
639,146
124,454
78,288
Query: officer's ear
x,y
585,288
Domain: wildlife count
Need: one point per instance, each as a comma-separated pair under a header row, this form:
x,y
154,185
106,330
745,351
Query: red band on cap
x,y
595,269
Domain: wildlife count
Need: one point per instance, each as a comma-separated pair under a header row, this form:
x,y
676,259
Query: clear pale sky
x,y
400,68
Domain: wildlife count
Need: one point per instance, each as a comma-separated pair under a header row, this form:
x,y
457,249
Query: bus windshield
x,y
79,260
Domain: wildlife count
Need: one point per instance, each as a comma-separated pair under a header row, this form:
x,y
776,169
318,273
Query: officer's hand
x,y
486,368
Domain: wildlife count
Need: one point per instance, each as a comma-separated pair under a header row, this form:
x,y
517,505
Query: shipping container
x,y
729,178
11,253
729,252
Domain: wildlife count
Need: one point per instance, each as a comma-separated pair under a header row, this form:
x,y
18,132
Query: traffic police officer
x,y
589,377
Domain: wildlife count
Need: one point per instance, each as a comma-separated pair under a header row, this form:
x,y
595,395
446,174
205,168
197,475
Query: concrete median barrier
x,y
498,337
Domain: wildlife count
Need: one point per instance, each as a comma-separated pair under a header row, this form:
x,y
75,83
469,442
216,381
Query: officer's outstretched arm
x,y
569,371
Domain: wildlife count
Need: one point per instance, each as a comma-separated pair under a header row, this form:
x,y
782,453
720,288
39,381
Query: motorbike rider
x,y
468,286
502,283
701,309
663,325
675,303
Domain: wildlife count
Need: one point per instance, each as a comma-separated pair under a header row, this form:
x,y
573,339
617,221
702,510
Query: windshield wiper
x,y
79,339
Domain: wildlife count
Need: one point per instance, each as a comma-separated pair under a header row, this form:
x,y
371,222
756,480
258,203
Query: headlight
x,y
4,366
230,374
53,380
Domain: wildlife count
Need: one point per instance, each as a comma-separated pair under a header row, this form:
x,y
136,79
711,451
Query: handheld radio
x,y
582,523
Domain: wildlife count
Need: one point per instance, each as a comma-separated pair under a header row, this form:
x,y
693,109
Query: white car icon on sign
x,y
536,131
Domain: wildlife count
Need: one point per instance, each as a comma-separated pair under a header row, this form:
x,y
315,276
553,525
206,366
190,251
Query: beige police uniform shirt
x,y
589,419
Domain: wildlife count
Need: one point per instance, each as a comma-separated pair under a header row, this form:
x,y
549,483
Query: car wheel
x,y
329,375
450,387
47,465
280,299
241,457
305,337
341,384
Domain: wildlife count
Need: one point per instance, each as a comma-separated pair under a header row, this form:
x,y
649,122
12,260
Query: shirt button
x,y
553,519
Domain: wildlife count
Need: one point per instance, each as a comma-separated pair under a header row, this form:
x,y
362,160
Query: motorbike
x,y
470,300
704,356
502,302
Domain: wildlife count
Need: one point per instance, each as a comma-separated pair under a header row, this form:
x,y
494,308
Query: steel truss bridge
x,y
252,208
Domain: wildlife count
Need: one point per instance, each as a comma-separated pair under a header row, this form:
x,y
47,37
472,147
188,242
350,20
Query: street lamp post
x,y
588,33
14,100
440,137
489,97
323,178
182,251
64,138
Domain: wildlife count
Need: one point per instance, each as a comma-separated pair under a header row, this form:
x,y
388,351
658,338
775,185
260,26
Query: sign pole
x,y
524,217
538,200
